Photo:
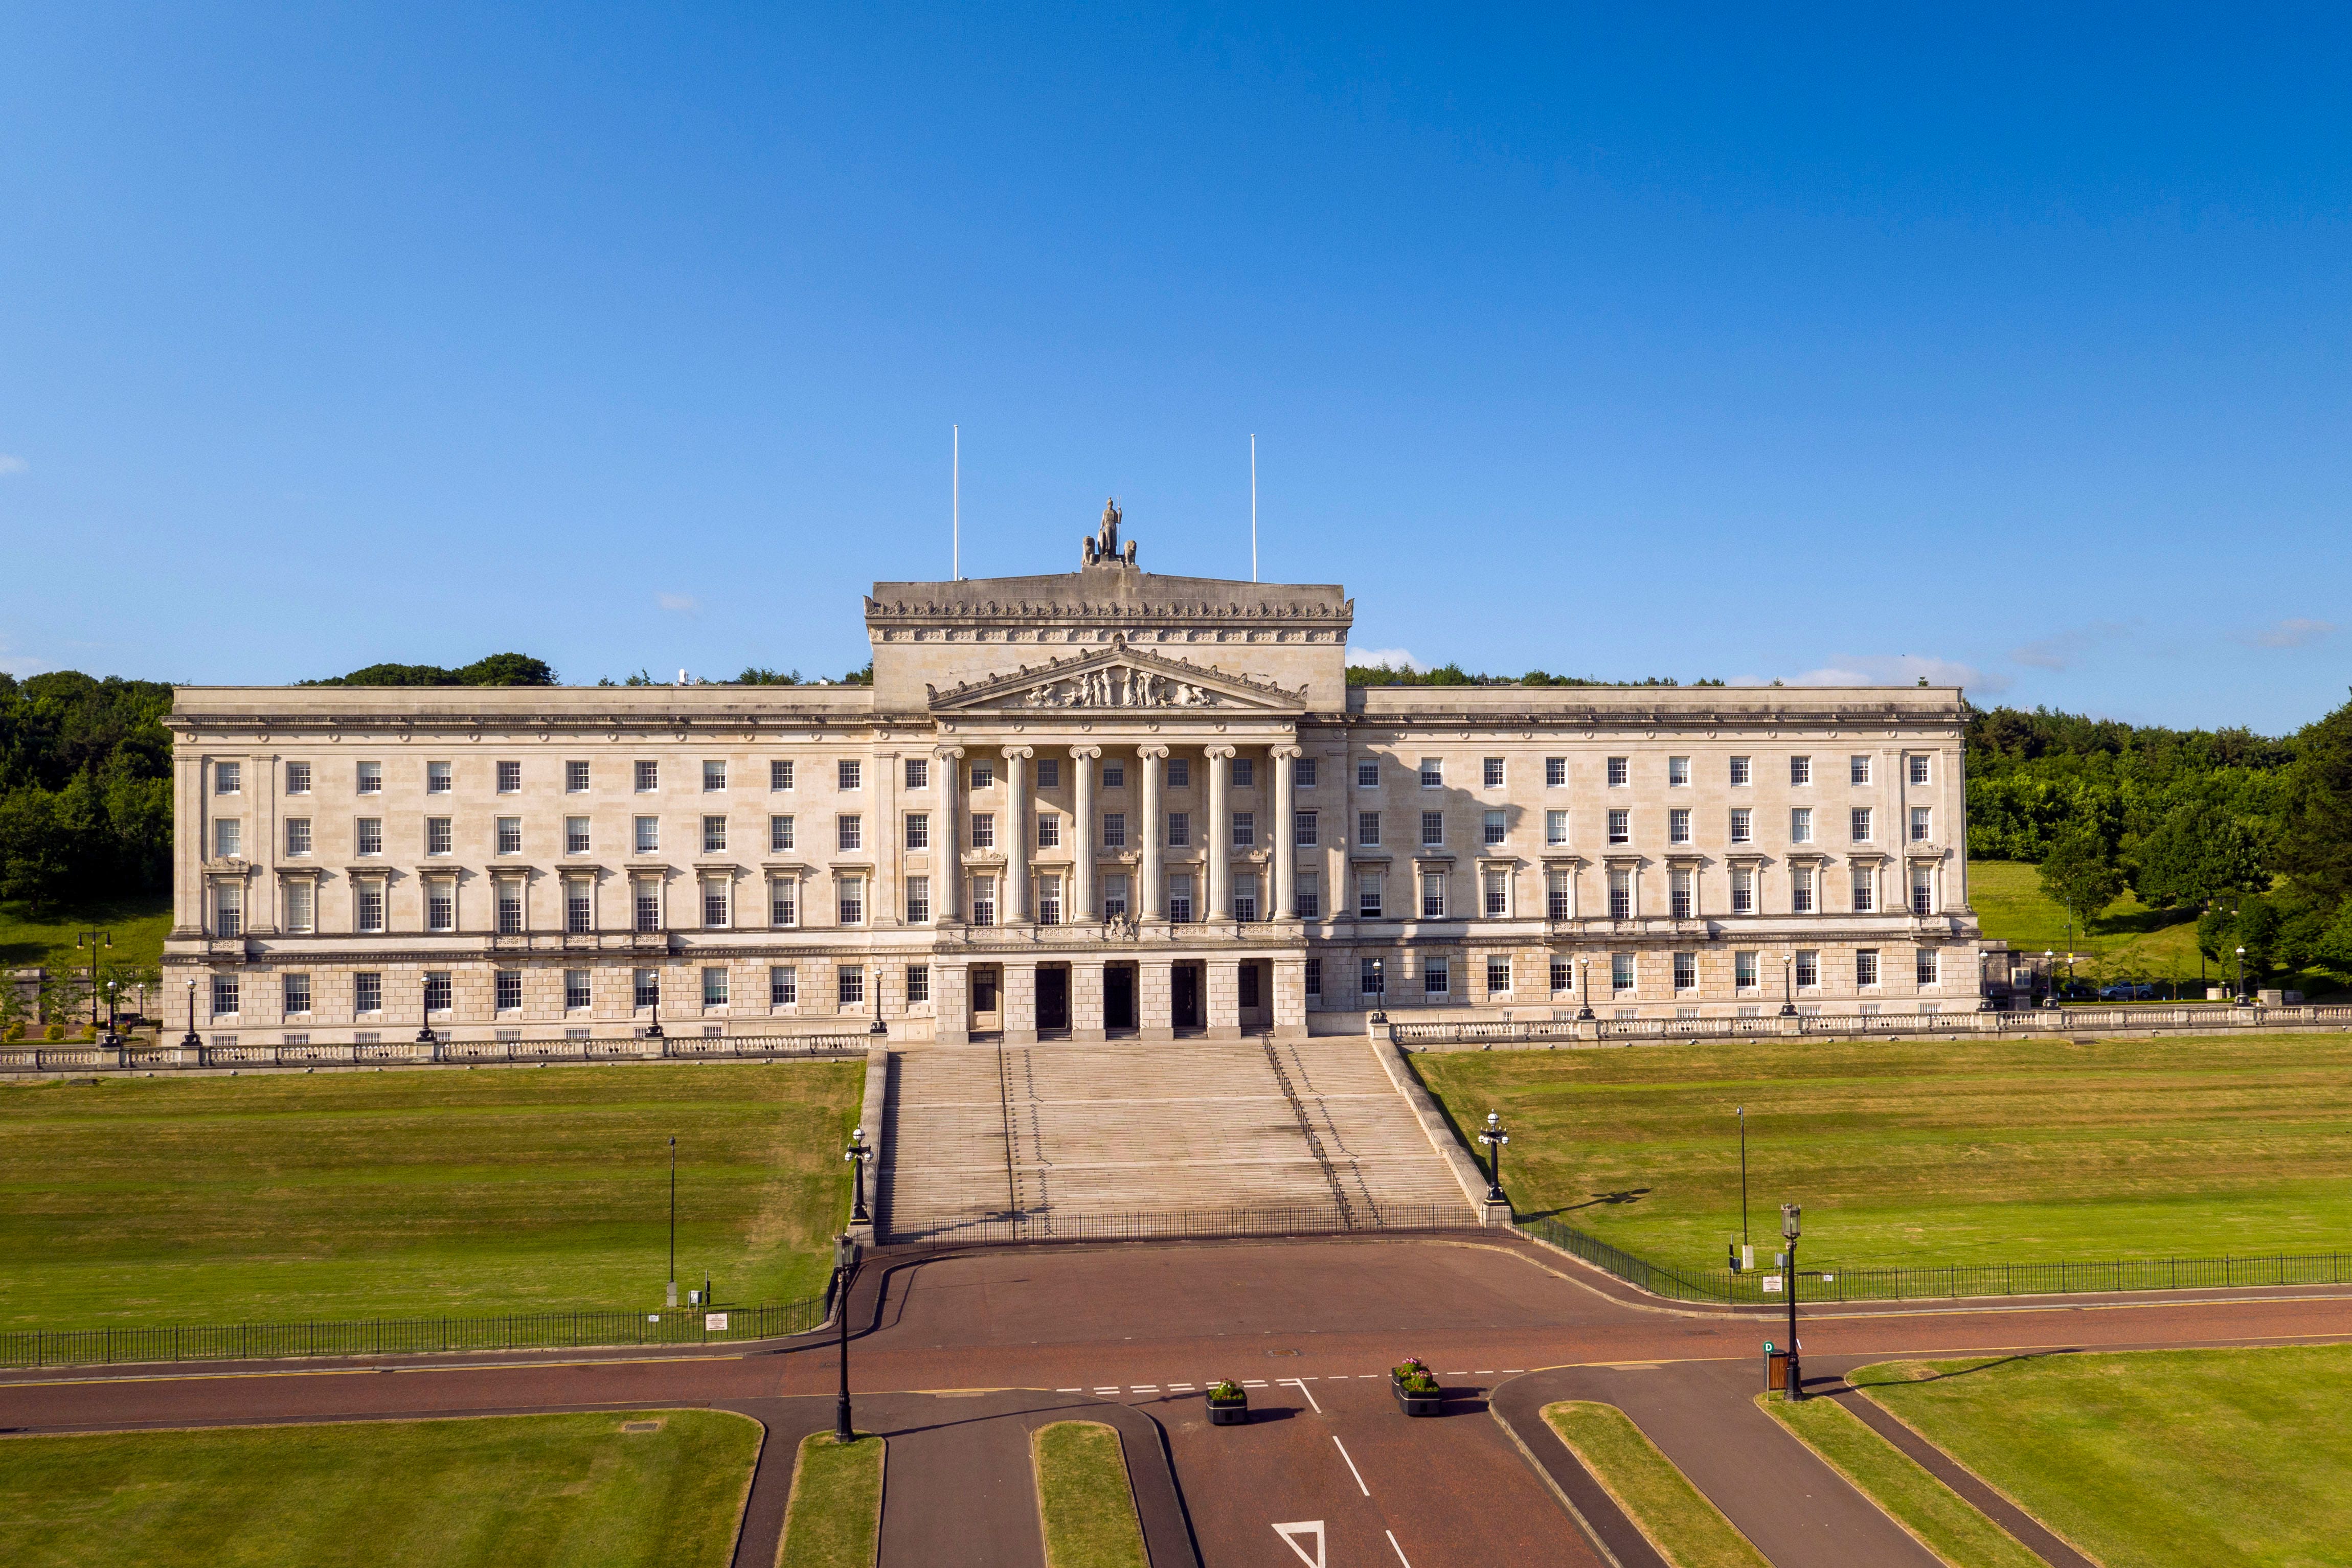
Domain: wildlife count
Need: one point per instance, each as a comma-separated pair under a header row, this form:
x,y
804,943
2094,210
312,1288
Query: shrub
x,y
55,1031
15,1031
1225,1391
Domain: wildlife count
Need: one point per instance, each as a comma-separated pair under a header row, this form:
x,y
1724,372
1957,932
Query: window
x,y
1314,977
301,905
1498,975
370,835
1865,967
297,993
783,901
1620,772
297,779
1929,969
1306,897
440,904
983,775
649,906
297,836
1180,899
509,777
510,907
1495,828
850,900
1114,775
1302,829
1865,890
1681,895
1743,825
1860,817
370,781
1620,893
780,773
1432,896
1302,772
1743,890
983,830
438,837
1620,826
1433,828
1621,972
714,835
1677,772
714,777
1049,773
919,773
1918,769
1739,773
1244,772
578,907
1180,829
1049,901
437,779
1491,772
714,986
228,838
1114,830
1809,968
849,773
1743,971
1245,900
780,834
576,995
1923,890
1678,829
436,990
1800,890
919,900
648,778
575,779
1049,830
508,992
1371,978
648,835
371,905
714,904
1114,898
1801,824
1496,893
1368,895
1801,770
1432,772
1555,827
1563,975
1555,772
1436,978
1245,830
918,983
1923,824
1367,827
849,832
919,830
223,995
645,987
1559,896
1179,773
783,985
228,777
367,993
1367,775
509,835
575,835
1858,770
1685,971
984,901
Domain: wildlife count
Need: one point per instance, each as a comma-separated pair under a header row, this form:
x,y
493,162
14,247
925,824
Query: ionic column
x,y
1082,874
1152,902
947,849
1220,833
1016,832
1285,846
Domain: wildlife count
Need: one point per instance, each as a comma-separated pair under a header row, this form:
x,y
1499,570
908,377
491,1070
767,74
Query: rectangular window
x,y
1739,773
714,904
983,775
918,983
919,830
577,997
438,836
1620,893
1800,890
1743,825
510,907
649,906
1049,901
578,907
783,985
1245,898
1495,828
1368,774
714,835
919,773
1302,828
1496,893
436,991
1559,896
1433,828
508,993
1436,978
1432,772
1678,825
301,907
1302,772
851,901
575,779
1620,772
1858,770
1555,827
297,990
228,838
783,901
1432,896
645,987
1114,898
1245,830
1244,772
1923,824
1918,769
1498,975
510,833
509,777
1049,830
984,901
780,834
1367,827
1306,898
1743,890
1801,770
714,777
1743,971
228,777
1677,772
1491,772
1179,773
298,837
648,835
1620,826
1923,890
1621,972
1927,967
1368,895
1555,772
849,832
849,773
1180,899
367,992
1861,820
1865,890
223,995
649,775
440,904
919,901
1180,829
1809,968
983,830
780,773
371,907
1801,824
371,836
1314,977
1685,971
297,779
1865,967
575,835
371,778
1563,975
1680,895
1371,978
1114,775
1114,830
437,779
714,986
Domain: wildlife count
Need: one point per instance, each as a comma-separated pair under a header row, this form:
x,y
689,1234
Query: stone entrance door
x,y
1185,1007
1119,997
987,999
1053,1000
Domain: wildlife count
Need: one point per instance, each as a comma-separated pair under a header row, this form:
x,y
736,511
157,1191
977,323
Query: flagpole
x,y
955,498
1252,509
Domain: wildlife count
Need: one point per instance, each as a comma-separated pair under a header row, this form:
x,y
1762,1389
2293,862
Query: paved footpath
x,y
1313,1325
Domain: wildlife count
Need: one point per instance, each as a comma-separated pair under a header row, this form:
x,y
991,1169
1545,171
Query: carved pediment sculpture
x,y
1118,677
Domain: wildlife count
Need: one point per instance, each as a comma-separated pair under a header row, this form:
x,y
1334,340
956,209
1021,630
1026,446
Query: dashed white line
x,y
1143,1388
1301,1384
1253,1382
1399,1550
1352,1465
1069,1391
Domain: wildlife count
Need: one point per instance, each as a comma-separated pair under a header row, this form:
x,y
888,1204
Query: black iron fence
x,y
1832,1282
86,1056
1285,1219
409,1336
1425,1034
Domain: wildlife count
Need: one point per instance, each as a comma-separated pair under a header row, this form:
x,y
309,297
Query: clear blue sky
x,y
1615,341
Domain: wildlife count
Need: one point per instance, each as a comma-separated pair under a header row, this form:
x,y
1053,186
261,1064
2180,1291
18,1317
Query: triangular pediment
x,y
1115,677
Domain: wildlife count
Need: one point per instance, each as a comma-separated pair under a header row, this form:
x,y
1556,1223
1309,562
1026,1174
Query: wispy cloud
x,y
12,464
679,603
1394,658
1888,670
2064,650
2295,632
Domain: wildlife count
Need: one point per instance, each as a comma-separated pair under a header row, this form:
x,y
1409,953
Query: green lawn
x,y
2129,940
1084,1501
2204,1458
834,1518
502,1493
1929,1151
346,1195
1949,1525
137,923
1659,1498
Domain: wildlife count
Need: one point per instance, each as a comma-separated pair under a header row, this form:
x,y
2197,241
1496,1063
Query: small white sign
x,y
1771,1284
714,1320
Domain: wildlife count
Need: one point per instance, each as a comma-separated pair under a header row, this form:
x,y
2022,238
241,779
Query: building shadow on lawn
x,y
1598,1200
1960,1371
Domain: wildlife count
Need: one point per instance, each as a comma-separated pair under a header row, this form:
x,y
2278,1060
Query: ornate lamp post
x,y
1788,986
845,1271
1494,1136
2241,976
878,1030
673,1220
1380,992
1584,1013
95,940
191,1040
110,1035
1788,1228
424,1012
859,1154
2050,976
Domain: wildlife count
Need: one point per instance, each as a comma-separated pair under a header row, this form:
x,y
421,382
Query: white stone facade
x,y
1101,803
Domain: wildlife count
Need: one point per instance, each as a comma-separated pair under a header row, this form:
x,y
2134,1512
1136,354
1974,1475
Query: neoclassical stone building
x,y
1102,803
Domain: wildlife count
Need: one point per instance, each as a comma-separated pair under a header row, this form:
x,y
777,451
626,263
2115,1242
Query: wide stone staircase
x,y
1194,1137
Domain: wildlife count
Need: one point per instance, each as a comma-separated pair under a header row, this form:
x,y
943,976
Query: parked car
x,y
2129,991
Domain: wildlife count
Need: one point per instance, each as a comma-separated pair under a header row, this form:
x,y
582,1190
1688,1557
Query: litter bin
x,y
1776,1371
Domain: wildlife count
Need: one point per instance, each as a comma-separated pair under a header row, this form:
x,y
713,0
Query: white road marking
x,y
1291,1533
1069,1391
1301,1384
1180,1388
1352,1465
1399,1550
1143,1388
1512,1369
1253,1382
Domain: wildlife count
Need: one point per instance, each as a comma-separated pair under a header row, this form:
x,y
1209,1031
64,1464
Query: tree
x,y
2077,877
2196,853
2314,845
34,860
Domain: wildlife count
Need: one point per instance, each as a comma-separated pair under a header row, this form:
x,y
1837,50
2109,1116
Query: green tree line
x,y
85,786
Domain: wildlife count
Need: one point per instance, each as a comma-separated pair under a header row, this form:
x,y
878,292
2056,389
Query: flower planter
x,y
1228,1412
1413,1404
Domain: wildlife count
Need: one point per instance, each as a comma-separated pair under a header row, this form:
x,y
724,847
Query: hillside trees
x,y
85,786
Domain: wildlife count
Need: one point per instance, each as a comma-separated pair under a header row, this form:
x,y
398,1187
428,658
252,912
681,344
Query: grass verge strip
x,y
1084,1498
834,1517
1942,1520
1687,1529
